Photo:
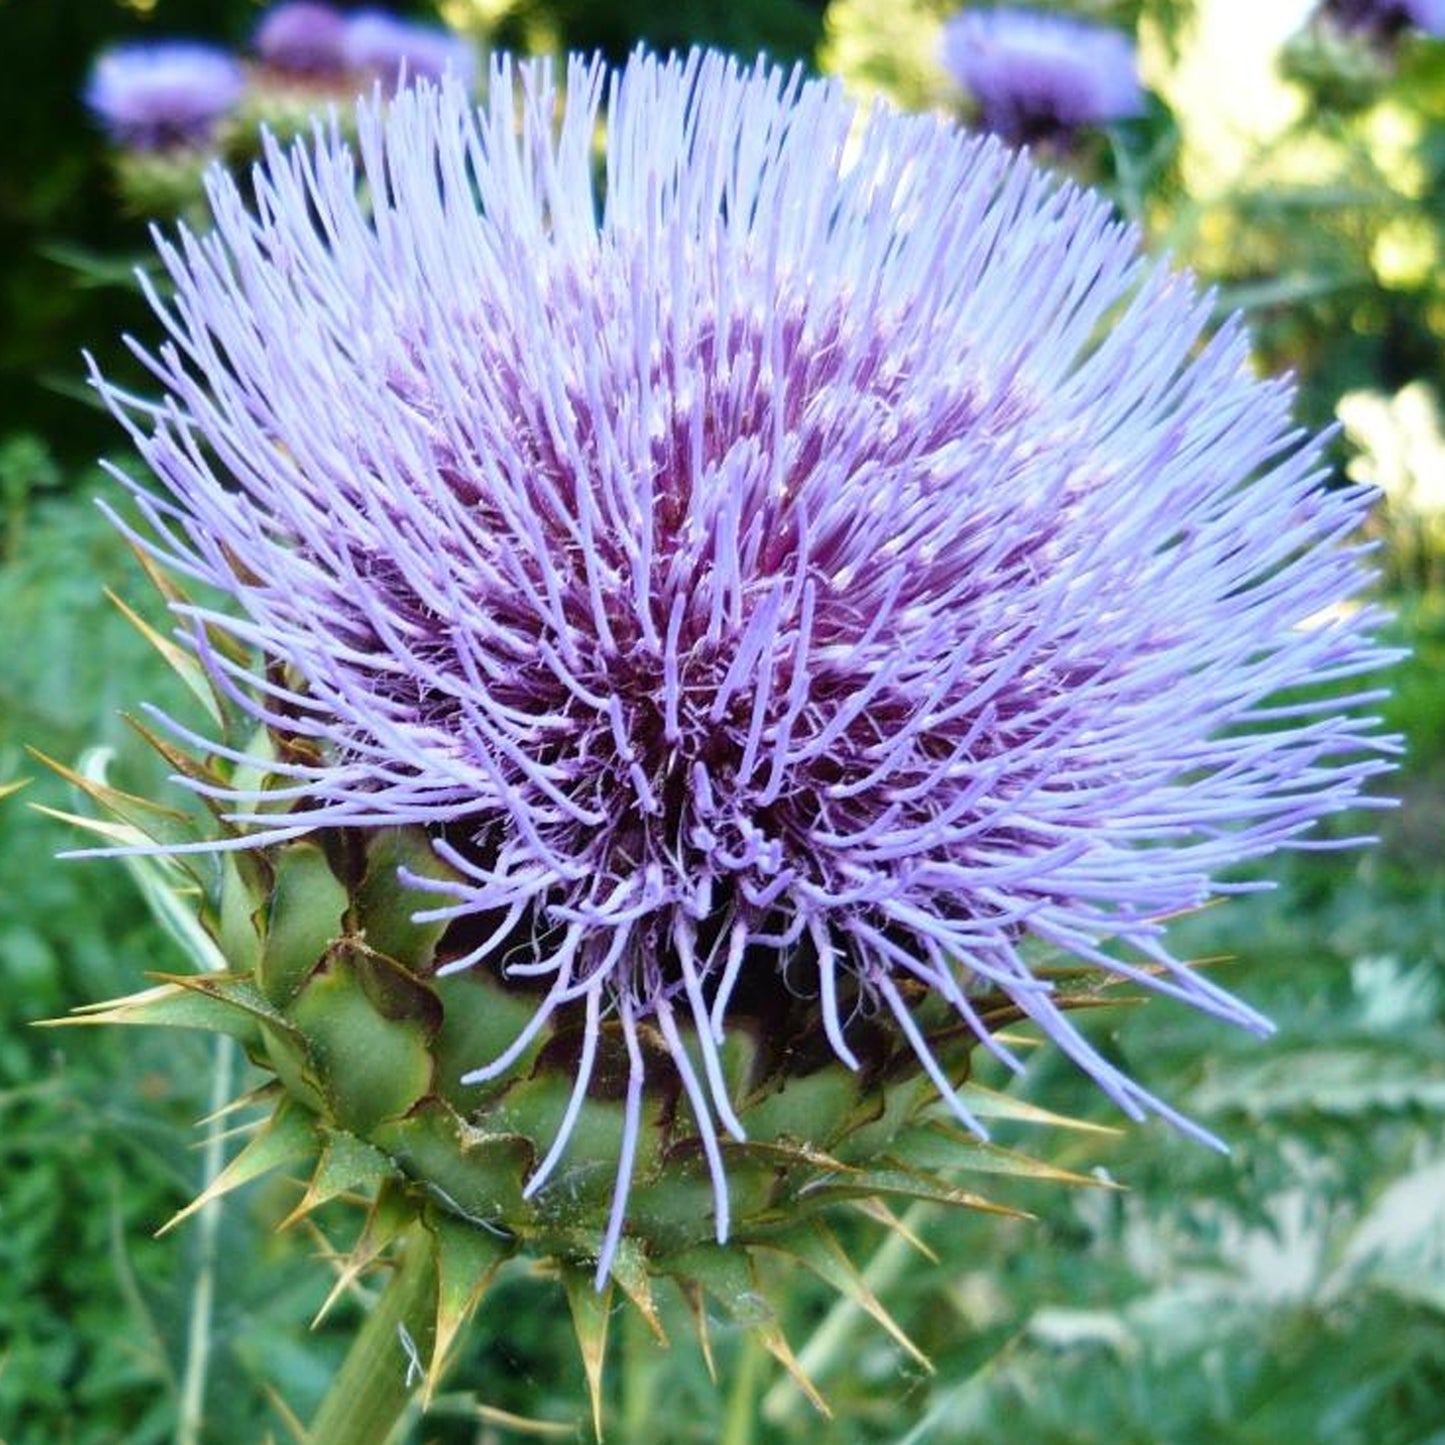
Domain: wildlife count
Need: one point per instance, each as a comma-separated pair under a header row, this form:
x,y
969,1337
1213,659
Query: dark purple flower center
x,y
776,704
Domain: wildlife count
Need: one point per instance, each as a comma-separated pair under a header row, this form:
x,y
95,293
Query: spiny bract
x,y
710,628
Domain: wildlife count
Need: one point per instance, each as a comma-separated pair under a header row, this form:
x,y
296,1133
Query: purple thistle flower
x,y
170,93
1384,20
303,38
384,46
828,552
1041,77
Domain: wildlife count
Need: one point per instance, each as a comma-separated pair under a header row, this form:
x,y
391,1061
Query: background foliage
x,y
1294,1290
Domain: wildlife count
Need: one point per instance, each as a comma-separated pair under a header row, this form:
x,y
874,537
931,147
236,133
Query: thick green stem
x,y
191,1414
639,1376
387,1359
742,1412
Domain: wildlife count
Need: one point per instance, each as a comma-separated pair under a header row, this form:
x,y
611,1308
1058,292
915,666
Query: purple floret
x,y
831,554
1425,15
160,95
303,38
1041,77
384,46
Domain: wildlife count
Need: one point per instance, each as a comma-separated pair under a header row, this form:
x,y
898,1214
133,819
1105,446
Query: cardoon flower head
x,y
816,563
382,45
1384,20
156,96
1346,52
1041,77
302,37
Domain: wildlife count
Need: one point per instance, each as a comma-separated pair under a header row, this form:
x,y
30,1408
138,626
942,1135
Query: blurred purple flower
x,y
153,96
1041,77
833,554
385,46
303,38
1383,20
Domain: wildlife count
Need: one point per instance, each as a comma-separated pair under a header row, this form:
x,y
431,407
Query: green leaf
x,y
177,1005
467,1260
368,1028
152,823
477,1175
939,1146
810,1110
990,1104
182,662
238,928
906,1184
385,905
591,1309
304,918
729,1275
632,1272
346,1163
817,1248
289,1134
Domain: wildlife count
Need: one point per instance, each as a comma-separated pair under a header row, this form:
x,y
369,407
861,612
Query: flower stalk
x,y
191,1412
382,1371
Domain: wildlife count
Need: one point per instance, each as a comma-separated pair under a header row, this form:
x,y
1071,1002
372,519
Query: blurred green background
x,y
1294,1291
